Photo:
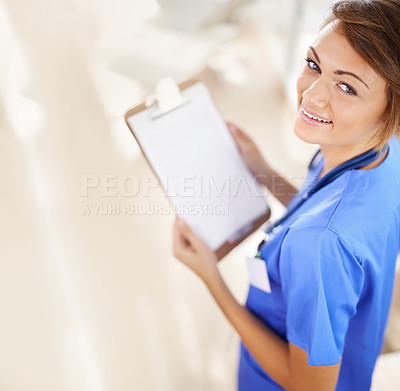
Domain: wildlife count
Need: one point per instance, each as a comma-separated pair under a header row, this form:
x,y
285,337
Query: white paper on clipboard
x,y
200,167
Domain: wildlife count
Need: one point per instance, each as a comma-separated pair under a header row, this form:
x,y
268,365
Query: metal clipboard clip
x,y
167,97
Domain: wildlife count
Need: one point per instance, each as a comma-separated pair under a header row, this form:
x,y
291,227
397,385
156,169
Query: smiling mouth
x,y
314,118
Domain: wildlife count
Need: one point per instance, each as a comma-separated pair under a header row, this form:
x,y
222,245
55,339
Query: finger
x,y
237,132
179,233
187,233
177,237
179,242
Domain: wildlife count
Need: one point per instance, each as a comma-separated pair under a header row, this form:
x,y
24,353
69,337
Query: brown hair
x,y
372,27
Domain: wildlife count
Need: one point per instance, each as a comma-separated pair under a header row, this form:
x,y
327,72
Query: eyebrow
x,y
338,72
315,53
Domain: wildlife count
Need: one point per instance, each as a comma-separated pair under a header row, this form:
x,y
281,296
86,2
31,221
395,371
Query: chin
x,y
304,133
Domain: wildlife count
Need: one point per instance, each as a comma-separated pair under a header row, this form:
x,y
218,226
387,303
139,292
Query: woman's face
x,y
341,100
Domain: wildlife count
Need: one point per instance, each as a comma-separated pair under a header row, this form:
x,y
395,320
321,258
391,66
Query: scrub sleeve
x,y
321,285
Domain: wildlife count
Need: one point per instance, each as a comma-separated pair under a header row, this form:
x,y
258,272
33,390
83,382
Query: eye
x,y
312,65
347,89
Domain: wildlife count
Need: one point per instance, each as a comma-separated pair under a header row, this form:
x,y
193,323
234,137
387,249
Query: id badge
x,y
258,274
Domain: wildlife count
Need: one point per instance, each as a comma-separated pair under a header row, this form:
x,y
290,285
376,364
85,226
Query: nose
x,y
316,94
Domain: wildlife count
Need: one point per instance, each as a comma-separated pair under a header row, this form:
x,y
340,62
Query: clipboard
x,y
184,119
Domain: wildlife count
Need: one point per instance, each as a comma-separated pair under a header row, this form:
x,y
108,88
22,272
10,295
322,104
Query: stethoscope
x,y
355,163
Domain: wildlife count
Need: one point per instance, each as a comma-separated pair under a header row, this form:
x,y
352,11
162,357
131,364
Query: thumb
x,y
186,231
237,133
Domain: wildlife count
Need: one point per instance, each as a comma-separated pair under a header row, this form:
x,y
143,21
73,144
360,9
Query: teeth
x,y
316,118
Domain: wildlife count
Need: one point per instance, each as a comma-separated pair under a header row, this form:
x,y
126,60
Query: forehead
x,y
336,53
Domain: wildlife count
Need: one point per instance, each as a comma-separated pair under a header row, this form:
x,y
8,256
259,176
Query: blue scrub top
x,y
331,269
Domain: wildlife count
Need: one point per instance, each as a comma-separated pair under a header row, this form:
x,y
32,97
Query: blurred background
x,y
91,297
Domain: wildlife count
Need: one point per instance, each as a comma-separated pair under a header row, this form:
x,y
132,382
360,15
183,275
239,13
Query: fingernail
x,y
181,223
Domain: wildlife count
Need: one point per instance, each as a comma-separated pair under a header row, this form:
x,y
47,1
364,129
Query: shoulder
x,y
395,144
319,250
369,205
348,212
357,205
315,239
391,165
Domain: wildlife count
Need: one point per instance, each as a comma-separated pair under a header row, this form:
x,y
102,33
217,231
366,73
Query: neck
x,y
335,156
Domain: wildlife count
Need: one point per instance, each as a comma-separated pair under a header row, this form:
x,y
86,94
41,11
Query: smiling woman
x,y
318,323
341,99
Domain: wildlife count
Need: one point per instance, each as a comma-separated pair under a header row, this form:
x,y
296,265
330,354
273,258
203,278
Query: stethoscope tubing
x,y
354,163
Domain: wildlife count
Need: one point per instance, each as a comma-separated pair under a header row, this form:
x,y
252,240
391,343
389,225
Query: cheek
x,y
359,120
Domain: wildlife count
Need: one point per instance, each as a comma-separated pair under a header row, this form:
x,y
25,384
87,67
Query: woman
x,y
331,261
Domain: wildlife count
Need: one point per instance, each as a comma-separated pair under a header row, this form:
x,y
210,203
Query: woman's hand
x,y
250,152
193,252
282,189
